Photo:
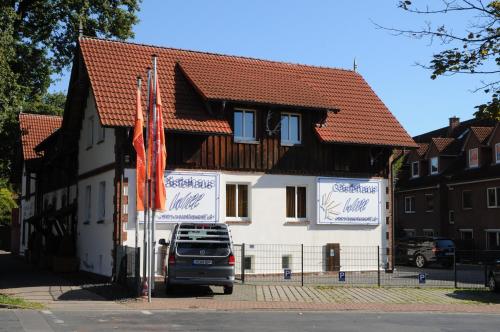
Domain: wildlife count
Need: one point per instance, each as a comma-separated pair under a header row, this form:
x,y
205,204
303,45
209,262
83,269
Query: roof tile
x,y
34,129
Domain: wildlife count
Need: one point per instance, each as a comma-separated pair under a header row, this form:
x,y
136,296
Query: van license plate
x,y
202,262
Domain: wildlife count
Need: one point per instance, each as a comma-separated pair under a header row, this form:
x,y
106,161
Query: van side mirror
x,y
163,242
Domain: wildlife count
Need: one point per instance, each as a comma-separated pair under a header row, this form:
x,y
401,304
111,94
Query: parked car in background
x,y
200,254
421,251
494,277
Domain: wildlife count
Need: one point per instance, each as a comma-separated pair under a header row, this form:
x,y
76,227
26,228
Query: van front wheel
x,y
228,290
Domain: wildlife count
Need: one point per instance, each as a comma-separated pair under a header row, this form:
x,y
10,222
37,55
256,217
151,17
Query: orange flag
x,y
161,154
138,142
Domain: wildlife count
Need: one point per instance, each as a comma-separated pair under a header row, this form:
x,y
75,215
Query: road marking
x,y
47,312
58,321
146,312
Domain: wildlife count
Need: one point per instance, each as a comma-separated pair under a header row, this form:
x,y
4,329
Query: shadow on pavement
x,y
480,296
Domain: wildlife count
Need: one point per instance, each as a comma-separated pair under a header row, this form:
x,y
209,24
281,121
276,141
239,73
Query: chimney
x,y
454,123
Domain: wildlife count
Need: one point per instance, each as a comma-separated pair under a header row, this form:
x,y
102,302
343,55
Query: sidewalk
x,y
63,293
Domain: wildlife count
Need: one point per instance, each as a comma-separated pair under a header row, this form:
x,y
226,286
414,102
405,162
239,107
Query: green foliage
x,y
7,202
473,50
18,303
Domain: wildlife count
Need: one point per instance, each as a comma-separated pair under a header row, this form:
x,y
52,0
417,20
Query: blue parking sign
x,y
342,276
421,278
287,274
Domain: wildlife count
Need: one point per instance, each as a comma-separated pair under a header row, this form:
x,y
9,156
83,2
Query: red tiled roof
x,y
113,67
446,145
34,129
422,149
482,133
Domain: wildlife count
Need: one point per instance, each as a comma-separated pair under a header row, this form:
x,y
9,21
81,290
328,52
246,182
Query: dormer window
x,y
497,153
415,172
290,129
244,125
434,165
473,158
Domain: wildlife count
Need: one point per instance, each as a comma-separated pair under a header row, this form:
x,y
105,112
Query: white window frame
x,y
243,139
426,207
469,155
101,203
408,207
296,205
413,164
451,213
463,207
299,134
497,231
90,132
238,218
497,153
462,231
437,165
100,132
88,204
497,199
429,230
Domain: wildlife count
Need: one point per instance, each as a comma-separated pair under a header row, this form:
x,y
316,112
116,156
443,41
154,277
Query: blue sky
x,y
325,33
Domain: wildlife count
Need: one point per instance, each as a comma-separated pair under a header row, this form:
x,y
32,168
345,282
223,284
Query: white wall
x,y
267,206
101,153
95,240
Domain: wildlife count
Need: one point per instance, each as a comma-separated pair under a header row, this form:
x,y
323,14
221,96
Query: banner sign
x,y
345,201
191,197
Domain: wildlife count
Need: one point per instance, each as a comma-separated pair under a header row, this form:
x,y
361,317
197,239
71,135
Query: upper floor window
x,y
88,204
237,201
497,153
473,158
493,197
429,202
296,202
90,132
466,199
244,125
410,204
100,132
434,165
414,169
101,209
290,129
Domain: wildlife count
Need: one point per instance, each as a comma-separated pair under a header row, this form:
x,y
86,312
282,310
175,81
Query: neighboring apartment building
x,y
284,153
450,185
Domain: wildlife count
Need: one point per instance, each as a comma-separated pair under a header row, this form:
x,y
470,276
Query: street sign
x,y
287,274
342,276
421,278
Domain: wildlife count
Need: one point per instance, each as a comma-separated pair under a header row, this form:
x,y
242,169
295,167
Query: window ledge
x,y
242,141
291,144
236,222
297,223
100,141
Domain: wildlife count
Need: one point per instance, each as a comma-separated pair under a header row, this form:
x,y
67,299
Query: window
x,y
296,202
493,197
497,153
466,234
290,129
414,169
428,232
429,202
286,261
434,165
493,240
100,132
467,199
410,204
244,125
90,132
451,216
410,232
88,204
473,158
101,210
237,201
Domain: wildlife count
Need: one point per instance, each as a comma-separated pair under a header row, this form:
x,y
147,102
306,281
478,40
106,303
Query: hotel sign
x,y
191,197
346,201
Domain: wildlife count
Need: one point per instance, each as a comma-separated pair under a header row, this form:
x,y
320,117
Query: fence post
x,y
302,265
378,266
486,274
243,263
455,266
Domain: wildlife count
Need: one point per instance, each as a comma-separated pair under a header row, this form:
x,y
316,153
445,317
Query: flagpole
x,y
146,196
139,84
155,156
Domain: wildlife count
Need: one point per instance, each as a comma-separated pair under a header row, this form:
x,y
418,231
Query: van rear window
x,y
203,249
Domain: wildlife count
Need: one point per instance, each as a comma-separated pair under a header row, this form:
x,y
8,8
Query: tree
x,y
37,40
472,49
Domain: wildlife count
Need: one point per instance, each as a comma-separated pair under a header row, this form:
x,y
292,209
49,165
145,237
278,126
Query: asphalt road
x,y
14,320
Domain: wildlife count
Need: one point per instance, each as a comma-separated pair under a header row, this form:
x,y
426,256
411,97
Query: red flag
x,y
138,142
161,154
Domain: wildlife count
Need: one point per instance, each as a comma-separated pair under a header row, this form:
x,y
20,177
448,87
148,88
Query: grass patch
x,y
15,302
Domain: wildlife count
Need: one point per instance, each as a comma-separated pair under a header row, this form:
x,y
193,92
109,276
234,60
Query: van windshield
x,y
203,249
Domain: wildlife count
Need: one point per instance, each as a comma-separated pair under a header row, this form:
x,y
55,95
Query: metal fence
x,y
355,266
128,268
